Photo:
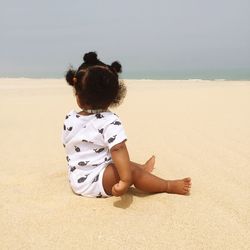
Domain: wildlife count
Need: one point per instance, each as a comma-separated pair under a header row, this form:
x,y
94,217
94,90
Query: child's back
x,y
87,140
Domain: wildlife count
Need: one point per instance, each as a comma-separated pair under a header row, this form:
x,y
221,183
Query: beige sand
x,y
195,128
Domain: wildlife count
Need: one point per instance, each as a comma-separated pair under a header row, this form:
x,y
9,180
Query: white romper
x,y
87,141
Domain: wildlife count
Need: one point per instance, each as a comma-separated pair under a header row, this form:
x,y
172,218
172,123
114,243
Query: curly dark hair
x,y
116,66
90,59
97,87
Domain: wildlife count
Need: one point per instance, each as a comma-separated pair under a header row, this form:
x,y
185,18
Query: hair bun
x,y
70,75
90,58
116,66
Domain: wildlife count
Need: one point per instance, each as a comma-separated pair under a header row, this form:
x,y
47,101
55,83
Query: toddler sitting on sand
x,y
95,140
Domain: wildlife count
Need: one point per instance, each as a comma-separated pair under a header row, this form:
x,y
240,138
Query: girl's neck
x,y
87,111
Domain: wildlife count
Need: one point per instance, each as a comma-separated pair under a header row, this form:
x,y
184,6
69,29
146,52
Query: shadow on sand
x,y
127,199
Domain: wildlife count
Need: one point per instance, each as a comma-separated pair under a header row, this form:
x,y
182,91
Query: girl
x,y
95,141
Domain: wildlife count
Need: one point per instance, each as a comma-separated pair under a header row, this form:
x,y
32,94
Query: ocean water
x,y
233,74
242,74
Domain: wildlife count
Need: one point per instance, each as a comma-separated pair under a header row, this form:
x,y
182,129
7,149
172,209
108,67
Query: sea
x,y
227,75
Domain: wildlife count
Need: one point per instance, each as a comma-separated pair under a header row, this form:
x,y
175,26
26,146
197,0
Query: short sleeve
x,y
114,132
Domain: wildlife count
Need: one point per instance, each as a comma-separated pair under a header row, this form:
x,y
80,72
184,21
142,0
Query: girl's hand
x,y
120,188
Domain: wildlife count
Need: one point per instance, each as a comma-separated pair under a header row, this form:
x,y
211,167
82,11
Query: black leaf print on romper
x,y
116,123
77,149
86,141
83,163
64,127
77,116
82,179
67,158
70,128
97,164
99,150
96,179
100,131
108,159
67,116
111,139
99,116
72,169
99,195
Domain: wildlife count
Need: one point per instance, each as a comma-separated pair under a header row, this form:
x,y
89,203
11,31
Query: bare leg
x,y
111,176
145,181
150,183
148,165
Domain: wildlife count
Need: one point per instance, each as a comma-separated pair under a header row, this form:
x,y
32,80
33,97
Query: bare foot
x,y
149,165
179,186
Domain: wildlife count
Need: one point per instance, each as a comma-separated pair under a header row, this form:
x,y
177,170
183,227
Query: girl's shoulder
x,y
104,119
73,119
101,119
106,116
70,114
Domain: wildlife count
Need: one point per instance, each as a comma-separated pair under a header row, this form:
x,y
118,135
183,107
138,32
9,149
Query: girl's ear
x,y
70,75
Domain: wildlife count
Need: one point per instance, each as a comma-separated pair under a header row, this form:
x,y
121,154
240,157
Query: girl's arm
x,y
121,161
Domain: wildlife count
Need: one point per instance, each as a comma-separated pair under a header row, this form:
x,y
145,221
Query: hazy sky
x,y
42,38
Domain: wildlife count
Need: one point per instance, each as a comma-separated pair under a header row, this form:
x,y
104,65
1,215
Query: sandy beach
x,y
194,128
